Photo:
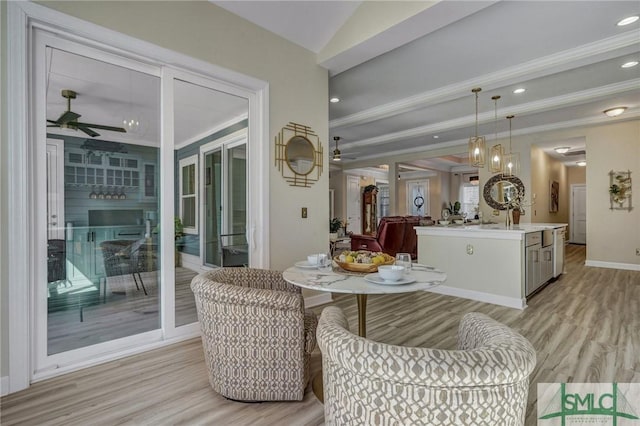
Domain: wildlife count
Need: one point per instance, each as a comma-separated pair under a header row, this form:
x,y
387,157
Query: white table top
x,y
335,282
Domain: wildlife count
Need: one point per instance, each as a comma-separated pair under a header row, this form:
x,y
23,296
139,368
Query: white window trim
x,y
185,162
22,17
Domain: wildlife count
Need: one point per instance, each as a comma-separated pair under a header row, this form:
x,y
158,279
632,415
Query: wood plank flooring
x,y
585,328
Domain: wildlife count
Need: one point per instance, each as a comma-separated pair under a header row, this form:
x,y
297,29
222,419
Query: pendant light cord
x,y
476,114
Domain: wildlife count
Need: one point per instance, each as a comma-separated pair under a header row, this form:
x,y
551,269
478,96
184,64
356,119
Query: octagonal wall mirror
x,y
299,155
500,189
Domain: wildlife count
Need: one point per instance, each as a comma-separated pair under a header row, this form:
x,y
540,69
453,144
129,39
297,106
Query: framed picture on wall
x,y
554,194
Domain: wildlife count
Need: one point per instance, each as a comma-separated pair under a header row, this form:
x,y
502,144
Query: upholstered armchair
x,y
485,382
257,336
395,234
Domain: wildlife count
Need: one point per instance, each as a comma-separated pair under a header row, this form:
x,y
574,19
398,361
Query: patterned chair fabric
x,y
485,382
256,334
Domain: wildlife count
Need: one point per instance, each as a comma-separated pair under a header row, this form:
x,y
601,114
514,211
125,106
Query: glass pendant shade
x,y
496,159
511,162
477,151
496,156
477,144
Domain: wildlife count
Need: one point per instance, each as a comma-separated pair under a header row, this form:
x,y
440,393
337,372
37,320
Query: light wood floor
x,y
585,328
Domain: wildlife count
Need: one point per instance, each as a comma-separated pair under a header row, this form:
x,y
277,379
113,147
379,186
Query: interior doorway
x,y
578,214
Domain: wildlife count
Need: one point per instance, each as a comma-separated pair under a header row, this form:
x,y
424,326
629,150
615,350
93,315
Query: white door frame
x,y
22,18
572,226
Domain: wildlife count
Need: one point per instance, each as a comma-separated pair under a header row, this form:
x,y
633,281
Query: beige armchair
x,y
485,382
257,336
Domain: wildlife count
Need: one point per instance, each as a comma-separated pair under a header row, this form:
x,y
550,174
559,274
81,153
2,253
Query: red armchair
x,y
395,235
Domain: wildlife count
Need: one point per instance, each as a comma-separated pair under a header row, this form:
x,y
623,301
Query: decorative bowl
x,y
443,222
390,272
364,267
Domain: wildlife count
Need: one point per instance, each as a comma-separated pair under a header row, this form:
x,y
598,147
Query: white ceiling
x,y
566,54
407,85
108,94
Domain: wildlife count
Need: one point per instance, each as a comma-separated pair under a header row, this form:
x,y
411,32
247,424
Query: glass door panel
x,y
203,120
102,270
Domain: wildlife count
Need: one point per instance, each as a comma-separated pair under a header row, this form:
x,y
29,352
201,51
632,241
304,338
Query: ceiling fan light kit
x,y
69,119
477,144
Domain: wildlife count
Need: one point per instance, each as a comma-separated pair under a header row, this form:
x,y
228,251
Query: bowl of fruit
x,y
363,260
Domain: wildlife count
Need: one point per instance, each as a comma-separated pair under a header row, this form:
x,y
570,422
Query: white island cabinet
x,y
493,263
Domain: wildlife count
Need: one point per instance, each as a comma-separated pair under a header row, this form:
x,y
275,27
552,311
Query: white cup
x,y
404,259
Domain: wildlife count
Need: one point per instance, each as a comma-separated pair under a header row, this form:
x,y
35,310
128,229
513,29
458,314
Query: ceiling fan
x,y
337,155
69,119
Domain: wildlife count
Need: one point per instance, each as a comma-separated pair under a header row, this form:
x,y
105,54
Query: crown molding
x,y
546,65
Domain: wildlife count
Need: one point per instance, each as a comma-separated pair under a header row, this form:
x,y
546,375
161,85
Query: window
x,y
189,194
469,198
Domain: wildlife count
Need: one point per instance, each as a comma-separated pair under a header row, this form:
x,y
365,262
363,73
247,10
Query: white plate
x,y
305,265
377,279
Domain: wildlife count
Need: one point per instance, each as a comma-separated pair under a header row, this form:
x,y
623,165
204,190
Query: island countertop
x,y
493,231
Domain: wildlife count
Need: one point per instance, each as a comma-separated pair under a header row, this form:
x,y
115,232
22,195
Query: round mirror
x,y
300,155
499,190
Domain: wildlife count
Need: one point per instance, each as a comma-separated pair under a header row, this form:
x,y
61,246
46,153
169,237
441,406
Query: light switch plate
x,y
304,212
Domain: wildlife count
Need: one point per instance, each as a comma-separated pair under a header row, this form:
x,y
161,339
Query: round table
x,y
337,281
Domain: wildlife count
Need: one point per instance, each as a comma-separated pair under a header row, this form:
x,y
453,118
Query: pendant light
x,y
496,155
477,145
511,160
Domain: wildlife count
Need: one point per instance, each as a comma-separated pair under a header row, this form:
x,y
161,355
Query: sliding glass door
x,y
130,211
102,145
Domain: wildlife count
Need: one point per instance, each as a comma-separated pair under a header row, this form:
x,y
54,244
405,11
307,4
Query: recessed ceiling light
x,y
614,112
436,136
334,100
562,149
629,64
519,90
628,20
581,163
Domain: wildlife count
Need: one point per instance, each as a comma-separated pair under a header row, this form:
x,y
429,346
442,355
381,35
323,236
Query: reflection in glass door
x,y
102,269
204,120
226,204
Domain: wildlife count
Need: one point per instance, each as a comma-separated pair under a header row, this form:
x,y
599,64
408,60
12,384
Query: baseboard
x,y
509,302
613,265
318,299
4,385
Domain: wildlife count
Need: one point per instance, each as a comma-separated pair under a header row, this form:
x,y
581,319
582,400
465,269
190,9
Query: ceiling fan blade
x,y
67,117
53,125
100,126
88,131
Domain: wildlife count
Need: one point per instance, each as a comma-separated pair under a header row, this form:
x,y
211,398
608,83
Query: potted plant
x,y
334,226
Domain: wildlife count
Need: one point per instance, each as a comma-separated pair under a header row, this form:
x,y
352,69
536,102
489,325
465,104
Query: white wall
x,y
298,93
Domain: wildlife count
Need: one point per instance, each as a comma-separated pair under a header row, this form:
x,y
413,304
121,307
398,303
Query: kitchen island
x,y
494,263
